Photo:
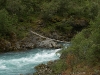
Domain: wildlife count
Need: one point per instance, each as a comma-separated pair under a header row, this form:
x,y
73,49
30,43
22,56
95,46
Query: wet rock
x,y
17,45
48,43
34,40
4,45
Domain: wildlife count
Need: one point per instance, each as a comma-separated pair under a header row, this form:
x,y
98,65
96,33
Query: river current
x,y
24,62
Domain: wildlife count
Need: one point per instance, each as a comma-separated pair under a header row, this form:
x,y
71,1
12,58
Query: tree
x,y
6,23
2,3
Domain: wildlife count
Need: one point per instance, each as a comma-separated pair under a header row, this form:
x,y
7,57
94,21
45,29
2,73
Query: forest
x,y
18,16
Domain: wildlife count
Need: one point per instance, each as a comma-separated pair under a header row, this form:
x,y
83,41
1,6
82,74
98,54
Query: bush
x,y
86,45
59,66
6,23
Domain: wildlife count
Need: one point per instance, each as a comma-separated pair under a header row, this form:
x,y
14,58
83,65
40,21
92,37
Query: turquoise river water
x,y
24,62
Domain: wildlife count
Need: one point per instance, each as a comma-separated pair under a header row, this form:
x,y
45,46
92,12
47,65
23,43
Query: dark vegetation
x,y
65,17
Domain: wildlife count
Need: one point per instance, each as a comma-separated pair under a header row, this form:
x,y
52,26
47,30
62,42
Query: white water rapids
x,y
24,62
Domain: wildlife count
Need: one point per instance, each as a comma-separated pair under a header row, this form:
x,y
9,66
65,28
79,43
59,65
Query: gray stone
x,y
48,43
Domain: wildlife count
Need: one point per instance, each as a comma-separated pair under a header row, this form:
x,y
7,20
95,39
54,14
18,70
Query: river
x,y
16,63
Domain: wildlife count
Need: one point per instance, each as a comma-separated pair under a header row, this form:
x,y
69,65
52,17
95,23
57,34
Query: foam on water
x,y
24,62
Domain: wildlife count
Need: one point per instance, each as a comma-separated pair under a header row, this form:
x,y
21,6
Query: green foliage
x,y
6,23
2,3
14,7
68,11
59,66
86,45
20,11
63,27
86,8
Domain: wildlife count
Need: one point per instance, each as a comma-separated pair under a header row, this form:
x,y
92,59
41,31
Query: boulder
x,y
35,40
48,43
17,44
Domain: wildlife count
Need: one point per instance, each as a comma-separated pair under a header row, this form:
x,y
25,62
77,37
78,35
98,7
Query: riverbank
x,y
31,41
60,67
